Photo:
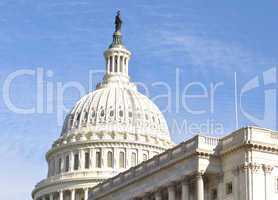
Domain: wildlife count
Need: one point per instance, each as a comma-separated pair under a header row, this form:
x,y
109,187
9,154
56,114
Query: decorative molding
x,y
254,167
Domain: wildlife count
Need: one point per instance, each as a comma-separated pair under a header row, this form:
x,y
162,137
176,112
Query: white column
x,y
43,198
51,196
107,64
127,66
81,159
91,158
158,195
171,192
113,63
236,182
61,195
86,191
71,162
185,190
220,187
199,187
267,173
63,163
73,194
120,64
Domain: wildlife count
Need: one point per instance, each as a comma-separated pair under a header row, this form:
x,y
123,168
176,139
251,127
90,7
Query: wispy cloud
x,y
206,53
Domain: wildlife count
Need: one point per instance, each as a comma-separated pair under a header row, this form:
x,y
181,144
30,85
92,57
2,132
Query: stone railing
x,y
207,144
249,135
178,152
77,175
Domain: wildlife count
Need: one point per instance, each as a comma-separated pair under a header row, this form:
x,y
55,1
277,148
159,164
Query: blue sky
x,y
207,42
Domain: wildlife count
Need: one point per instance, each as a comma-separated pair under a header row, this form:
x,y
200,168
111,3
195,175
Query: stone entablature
x,y
203,150
87,135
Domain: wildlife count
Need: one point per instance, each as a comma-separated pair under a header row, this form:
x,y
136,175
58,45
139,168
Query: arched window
x,y
122,160
121,64
67,163
145,157
87,160
98,159
59,165
133,159
116,64
110,64
76,162
110,159
121,113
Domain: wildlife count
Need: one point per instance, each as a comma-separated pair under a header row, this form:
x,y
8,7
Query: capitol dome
x,y
107,132
116,108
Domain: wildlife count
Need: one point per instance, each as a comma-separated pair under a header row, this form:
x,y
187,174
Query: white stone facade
x,y
239,166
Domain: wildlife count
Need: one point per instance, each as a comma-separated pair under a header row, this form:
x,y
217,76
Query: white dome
x,y
116,107
108,131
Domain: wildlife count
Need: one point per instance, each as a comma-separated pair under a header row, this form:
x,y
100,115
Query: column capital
x,y
171,185
158,195
185,179
267,168
199,174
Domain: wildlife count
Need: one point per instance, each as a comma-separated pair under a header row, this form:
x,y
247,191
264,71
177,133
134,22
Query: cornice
x,y
104,143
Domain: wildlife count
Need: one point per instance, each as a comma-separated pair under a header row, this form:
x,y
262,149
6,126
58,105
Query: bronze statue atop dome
x,y
118,22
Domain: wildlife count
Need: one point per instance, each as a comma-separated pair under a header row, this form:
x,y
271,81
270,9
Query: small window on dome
x,y
130,114
110,62
121,66
78,117
102,113
86,115
93,113
116,64
122,160
147,117
60,165
67,163
71,120
121,113
87,160
133,159
76,162
111,113
98,159
110,159
153,119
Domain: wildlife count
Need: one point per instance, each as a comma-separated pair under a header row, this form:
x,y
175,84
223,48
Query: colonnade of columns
x,y
117,63
60,195
170,192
